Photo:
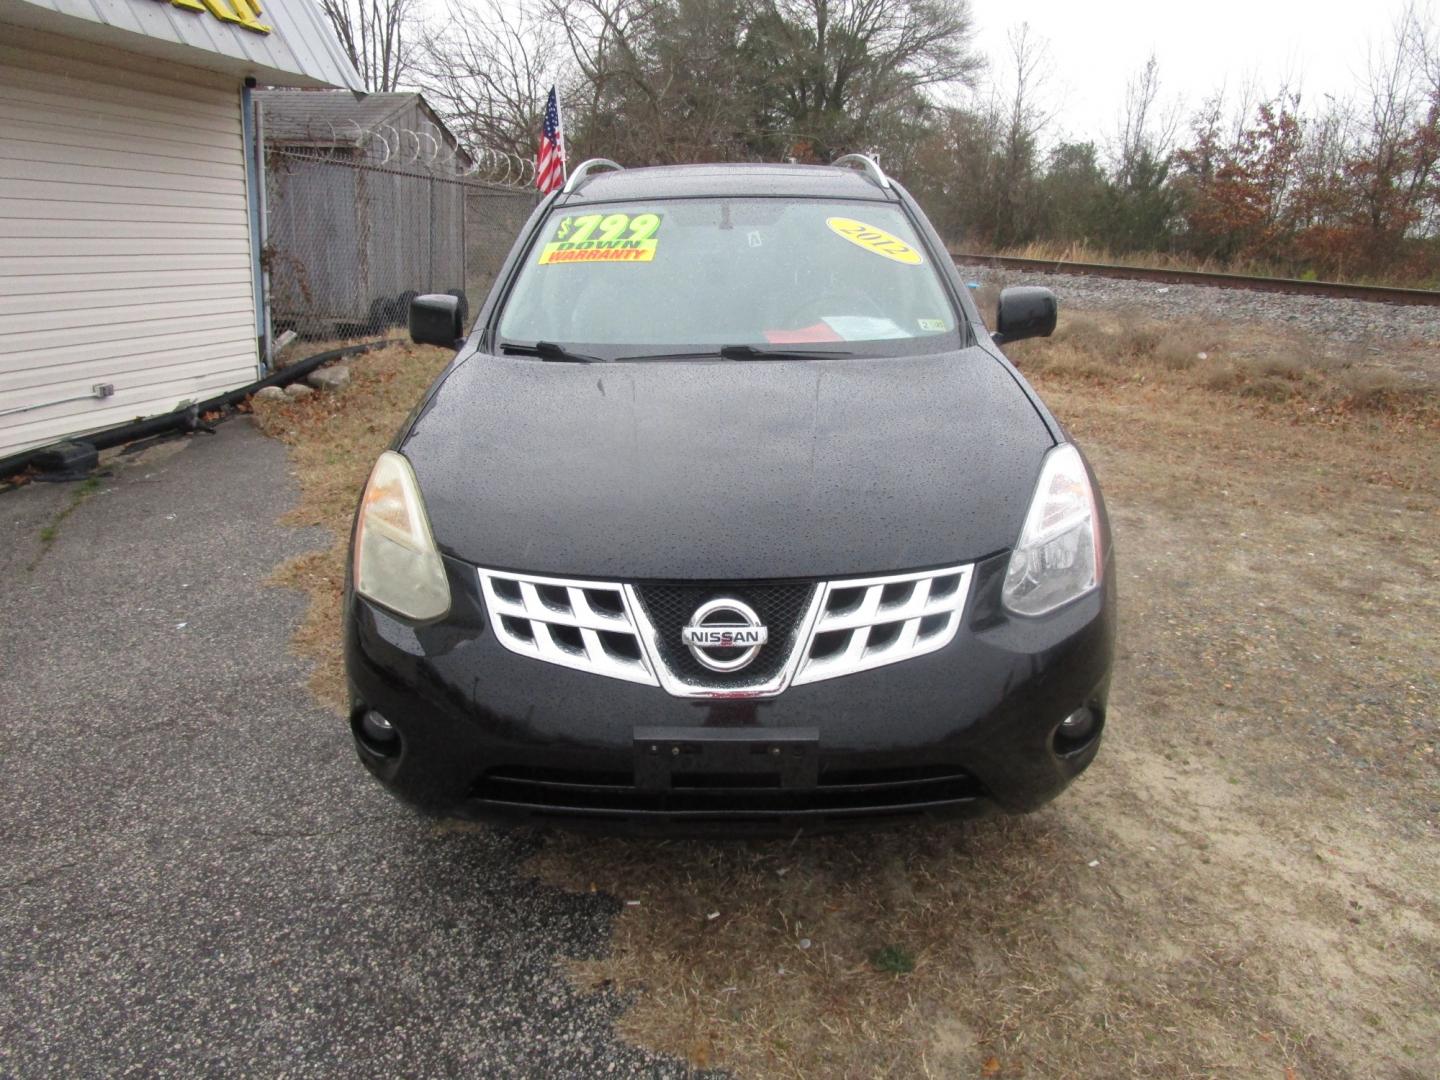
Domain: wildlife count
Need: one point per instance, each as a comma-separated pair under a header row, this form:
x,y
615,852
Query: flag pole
x,y
564,163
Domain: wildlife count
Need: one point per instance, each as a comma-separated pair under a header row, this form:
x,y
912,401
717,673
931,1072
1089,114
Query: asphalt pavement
x,y
198,877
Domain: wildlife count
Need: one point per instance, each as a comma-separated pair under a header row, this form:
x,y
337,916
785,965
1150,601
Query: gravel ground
x,y
198,877
1372,325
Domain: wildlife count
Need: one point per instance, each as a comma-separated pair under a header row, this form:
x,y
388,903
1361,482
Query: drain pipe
x,y
188,418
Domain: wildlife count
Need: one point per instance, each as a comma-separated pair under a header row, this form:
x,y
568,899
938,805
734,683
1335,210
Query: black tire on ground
x,y
402,307
379,315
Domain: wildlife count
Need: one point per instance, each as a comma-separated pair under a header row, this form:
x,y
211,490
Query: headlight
x,y
1058,556
396,562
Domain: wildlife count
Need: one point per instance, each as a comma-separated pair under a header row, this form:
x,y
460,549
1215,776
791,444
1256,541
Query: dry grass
x,y
1052,251
1306,379
1263,818
770,958
1244,884
334,440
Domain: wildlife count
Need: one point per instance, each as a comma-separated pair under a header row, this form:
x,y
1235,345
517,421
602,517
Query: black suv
x,y
729,513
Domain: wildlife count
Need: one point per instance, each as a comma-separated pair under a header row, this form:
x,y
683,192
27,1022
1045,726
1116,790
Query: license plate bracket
x,y
790,756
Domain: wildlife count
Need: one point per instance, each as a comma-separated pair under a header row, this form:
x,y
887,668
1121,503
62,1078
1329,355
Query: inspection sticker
x,y
872,239
931,324
603,238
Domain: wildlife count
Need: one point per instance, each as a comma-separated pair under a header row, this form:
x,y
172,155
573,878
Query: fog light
x,y
377,728
1077,726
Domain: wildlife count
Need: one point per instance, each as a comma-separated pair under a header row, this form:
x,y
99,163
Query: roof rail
x,y
585,167
869,164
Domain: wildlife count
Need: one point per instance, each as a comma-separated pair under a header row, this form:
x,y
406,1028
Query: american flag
x,y
550,158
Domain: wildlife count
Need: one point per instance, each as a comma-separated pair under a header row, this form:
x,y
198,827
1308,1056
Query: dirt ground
x,y
1245,883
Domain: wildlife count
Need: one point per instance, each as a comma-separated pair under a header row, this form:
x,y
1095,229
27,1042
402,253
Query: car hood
x,y
727,470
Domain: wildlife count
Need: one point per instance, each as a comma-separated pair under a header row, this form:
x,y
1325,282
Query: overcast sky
x,y
1094,48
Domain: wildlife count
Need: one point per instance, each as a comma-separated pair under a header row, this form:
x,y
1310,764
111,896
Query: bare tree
x,y
1029,114
1147,128
1023,120
1422,37
1398,159
488,70
1141,204
377,36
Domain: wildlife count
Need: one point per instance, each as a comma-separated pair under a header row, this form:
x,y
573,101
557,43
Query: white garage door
x,y
124,242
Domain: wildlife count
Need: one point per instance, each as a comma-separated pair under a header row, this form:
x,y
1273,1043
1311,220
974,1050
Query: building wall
x,y
124,242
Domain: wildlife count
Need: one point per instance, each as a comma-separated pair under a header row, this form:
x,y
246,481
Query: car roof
x,y
737,179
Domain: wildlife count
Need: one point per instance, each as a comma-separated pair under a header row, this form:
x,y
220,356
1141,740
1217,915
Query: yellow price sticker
x,y
603,238
872,239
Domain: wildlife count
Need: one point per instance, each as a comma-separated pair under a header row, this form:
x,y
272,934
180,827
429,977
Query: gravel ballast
x,y
1360,322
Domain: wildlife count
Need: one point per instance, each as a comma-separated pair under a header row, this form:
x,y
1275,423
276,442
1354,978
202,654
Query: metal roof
x,y
332,117
740,179
300,50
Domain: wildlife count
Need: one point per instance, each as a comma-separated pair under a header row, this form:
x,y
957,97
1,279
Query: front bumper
x,y
483,732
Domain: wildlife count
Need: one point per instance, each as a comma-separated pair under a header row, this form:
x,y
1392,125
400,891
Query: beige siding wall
x,y
124,239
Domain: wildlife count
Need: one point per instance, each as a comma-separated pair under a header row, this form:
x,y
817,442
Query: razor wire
x,y
358,223
387,145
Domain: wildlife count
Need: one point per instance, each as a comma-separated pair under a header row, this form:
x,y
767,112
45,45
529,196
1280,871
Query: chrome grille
x,y
818,632
577,624
782,607
870,622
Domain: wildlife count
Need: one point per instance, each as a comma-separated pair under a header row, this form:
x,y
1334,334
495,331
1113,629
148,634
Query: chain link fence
x,y
494,216
350,242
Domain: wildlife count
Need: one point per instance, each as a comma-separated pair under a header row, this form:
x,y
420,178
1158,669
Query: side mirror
x,y
435,320
1025,311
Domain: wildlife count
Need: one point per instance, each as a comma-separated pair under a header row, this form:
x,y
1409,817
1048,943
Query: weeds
x,y
1249,364
894,959
51,532
334,440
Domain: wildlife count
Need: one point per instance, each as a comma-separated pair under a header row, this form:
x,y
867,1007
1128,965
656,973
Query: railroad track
x,y
1380,294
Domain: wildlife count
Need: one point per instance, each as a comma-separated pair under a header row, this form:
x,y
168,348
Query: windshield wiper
x,y
751,352
741,352
548,350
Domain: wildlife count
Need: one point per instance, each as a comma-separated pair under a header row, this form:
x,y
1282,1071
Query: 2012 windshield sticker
x,y
603,238
872,239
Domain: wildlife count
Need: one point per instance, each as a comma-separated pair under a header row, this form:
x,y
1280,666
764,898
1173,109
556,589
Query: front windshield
x,y
682,275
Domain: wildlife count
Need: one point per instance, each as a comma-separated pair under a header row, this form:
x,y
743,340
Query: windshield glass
x,y
689,275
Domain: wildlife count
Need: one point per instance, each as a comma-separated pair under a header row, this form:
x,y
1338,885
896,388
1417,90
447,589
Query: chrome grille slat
x,y
538,616
858,654
870,640
871,613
